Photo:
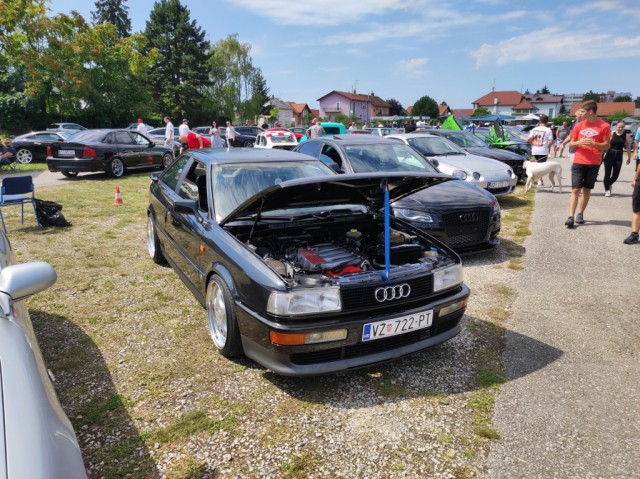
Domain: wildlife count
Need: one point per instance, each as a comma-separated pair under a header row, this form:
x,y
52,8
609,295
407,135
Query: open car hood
x,y
365,189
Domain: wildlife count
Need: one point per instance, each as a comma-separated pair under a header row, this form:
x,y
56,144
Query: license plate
x,y
396,326
498,184
66,153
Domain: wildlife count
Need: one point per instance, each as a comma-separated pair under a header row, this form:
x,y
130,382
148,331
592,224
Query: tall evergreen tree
x,y
181,75
396,107
114,12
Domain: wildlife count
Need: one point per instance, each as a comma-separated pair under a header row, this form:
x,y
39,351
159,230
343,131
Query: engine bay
x,y
320,255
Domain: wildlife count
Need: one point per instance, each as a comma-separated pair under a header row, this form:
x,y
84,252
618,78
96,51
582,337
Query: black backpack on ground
x,y
50,213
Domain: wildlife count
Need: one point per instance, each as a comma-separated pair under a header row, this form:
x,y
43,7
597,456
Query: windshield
x,y
391,157
236,183
465,139
435,146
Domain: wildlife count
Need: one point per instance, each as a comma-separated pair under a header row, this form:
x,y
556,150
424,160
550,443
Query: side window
x,y
330,156
194,186
139,139
123,138
172,174
311,148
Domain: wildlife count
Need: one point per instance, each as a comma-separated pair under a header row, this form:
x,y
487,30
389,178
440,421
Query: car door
x,y
126,147
187,228
146,154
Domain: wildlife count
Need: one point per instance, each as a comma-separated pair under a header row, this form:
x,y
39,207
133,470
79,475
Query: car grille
x,y
373,347
466,227
363,297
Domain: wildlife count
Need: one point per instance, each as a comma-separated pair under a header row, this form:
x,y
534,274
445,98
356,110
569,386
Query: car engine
x,y
314,258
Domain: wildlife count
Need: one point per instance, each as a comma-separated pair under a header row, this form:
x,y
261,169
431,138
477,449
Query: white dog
x,y
538,170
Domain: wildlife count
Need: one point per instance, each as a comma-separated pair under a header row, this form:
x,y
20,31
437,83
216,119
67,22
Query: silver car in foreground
x,y
494,176
36,437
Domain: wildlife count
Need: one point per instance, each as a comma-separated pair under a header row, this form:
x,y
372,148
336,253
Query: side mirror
x,y
185,206
152,143
23,280
435,162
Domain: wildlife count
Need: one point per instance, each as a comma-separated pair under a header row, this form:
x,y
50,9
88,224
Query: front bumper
x,y
352,352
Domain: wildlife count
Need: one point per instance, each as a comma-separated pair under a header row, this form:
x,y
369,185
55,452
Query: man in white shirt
x,y
541,139
168,132
183,131
230,133
141,128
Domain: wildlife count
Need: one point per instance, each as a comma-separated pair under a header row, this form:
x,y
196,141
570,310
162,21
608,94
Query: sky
x,y
452,51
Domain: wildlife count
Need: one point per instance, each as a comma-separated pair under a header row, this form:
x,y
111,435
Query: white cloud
x,y
413,67
554,44
325,12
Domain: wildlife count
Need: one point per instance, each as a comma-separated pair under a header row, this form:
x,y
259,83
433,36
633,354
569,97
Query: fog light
x,y
453,307
299,339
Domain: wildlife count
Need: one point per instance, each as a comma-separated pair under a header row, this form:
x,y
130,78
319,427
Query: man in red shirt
x,y
195,141
590,138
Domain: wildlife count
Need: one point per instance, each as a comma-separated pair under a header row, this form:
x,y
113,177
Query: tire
x,y
221,318
248,143
69,174
167,159
153,243
116,168
24,156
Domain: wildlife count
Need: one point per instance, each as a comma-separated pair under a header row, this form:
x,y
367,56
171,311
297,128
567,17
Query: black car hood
x,y
494,153
447,196
364,189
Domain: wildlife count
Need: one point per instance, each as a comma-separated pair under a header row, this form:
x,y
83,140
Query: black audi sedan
x,y
111,151
301,269
458,213
474,145
33,146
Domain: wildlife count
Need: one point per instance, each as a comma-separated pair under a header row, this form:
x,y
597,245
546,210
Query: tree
x,y
180,77
396,107
590,95
637,102
480,111
544,91
622,98
114,12
259,95
233,76
425,106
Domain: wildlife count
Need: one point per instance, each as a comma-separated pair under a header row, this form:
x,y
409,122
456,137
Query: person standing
x,y
8,154
141,128
563,134
635,206
579,118
214,132
613,157
637,147
590,137
230,133
169,133
183,131
315,130
541,139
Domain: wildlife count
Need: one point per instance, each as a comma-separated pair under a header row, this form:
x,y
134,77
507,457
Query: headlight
x,y
412,215
496,207
447,277
460,174
305,301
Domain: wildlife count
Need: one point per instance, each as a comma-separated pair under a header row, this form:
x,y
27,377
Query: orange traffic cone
x,y
118,200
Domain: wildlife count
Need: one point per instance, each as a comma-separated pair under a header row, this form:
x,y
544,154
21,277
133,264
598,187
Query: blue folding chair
x,y
17,190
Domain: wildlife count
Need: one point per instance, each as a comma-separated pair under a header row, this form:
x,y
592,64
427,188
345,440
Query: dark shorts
x,y
584,176
185,146
635,198
540,158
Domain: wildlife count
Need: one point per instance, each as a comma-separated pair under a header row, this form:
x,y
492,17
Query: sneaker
x,y
579,218
569,221
632,238
607,193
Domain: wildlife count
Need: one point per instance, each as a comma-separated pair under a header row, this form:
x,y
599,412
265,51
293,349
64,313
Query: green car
x,y
330,128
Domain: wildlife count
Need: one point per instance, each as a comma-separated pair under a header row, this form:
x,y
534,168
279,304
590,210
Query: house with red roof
x,y
514,103
606,109
300,112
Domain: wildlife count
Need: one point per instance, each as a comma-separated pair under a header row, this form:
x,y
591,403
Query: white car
x,y
492,175
279,138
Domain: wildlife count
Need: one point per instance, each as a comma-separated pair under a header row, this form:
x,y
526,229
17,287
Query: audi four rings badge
x,y
469,217
389,293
